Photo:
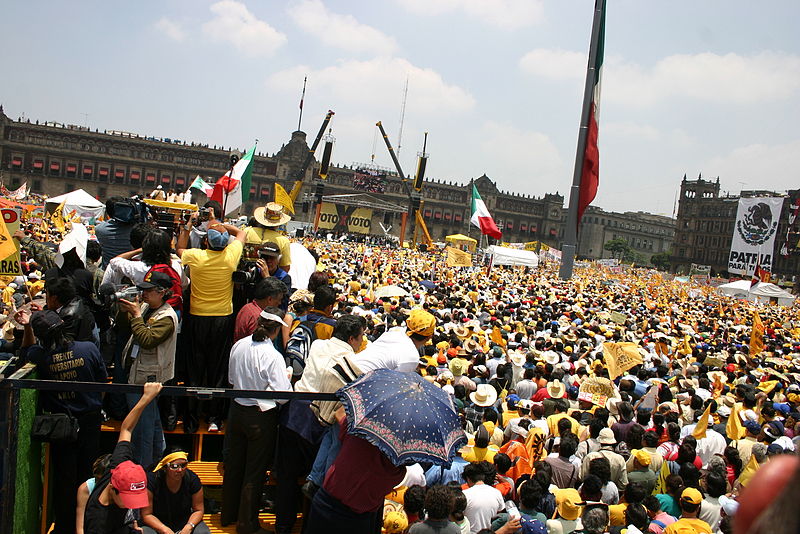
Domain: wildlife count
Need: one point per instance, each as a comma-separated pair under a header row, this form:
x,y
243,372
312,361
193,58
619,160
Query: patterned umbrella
x,y
406,417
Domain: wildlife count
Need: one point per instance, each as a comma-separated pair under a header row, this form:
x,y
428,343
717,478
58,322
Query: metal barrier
x,y
20,461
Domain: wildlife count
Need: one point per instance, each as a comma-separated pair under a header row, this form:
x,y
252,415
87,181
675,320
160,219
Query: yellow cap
x,y
421,322
395,523
692,495
642,457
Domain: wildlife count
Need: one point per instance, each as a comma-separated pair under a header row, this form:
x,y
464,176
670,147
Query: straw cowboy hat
x,y
551,357
271,215
556,389
484,395
517,358
471,345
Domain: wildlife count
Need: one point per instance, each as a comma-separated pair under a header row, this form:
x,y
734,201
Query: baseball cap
x,y
395,523
531,526
511,401
773,429
691,495
44,322
155,279
421,322
130,481
567,503
217,237
752,426
642,457
269,249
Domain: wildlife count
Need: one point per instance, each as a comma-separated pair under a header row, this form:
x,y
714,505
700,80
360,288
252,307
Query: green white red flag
x,y
481,216
202,185
590,175
233,189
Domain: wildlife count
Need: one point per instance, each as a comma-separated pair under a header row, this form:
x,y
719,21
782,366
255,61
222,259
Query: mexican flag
x,y
233,189
590,175
202,185
481,217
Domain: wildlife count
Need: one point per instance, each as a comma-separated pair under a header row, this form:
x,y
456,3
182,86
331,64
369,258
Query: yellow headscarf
x,y
168,459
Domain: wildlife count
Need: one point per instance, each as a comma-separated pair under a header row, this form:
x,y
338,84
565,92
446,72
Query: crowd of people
x,y
617,401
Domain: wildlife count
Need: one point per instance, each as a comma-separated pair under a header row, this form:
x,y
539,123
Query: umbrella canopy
x,y
390,291
406,417
428,284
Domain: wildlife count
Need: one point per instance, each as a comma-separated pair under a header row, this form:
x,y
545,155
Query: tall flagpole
x,y
571,233
302,97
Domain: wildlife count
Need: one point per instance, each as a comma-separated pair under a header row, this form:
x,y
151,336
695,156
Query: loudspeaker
x,y
300,232
387,218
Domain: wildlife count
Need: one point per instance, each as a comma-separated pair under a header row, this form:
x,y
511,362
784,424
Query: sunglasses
x,y
177,467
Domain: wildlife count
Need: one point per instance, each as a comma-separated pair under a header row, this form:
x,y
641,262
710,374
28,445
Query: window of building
x,y
37,186
72,169
150,178
16,162
265,191
38,164
135,177
55,168
88,171
166,179
181,181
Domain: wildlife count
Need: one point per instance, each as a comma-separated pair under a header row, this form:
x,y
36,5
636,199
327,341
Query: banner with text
x,y
345,218
9,266
754,234
458,258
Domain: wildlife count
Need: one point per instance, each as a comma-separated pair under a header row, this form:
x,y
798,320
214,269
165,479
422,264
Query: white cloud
x,y
554,64
759,166
234,23
340,31
514,158
170,28
507,14
730,78
377,85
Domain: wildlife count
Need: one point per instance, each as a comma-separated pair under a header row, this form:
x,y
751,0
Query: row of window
x,y
612,223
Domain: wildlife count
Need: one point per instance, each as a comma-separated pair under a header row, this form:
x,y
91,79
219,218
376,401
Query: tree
x,y
618,247
661,260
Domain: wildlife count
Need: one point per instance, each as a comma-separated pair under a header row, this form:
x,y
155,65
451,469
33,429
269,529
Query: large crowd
x,y
563,435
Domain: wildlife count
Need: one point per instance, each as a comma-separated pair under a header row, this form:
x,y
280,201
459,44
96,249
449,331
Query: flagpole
x,y
302,97
571,233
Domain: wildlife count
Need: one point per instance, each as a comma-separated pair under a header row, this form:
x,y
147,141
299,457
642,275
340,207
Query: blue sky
x,y
689,86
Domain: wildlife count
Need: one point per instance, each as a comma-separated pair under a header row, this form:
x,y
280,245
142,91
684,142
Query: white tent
x,y
762,292
79,201
512,256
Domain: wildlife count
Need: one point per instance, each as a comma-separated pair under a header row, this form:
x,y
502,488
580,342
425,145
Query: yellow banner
x,y
756,336
458,258
283,198
345,218
9,249
620,357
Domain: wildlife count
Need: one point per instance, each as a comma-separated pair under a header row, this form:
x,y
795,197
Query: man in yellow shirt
x,y
209,323
690,502
267,219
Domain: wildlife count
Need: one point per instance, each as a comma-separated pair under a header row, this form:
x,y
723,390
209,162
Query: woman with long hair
x,y
176,497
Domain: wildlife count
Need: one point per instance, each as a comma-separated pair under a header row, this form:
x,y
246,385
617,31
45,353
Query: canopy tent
x,y
762,292
462,242
80,202
511,256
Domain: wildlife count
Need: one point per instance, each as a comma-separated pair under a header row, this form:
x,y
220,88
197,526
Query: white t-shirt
x,y
393,350
483,503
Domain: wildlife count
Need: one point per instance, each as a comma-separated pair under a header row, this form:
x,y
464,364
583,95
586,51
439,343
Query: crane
x,y
414,196
301,173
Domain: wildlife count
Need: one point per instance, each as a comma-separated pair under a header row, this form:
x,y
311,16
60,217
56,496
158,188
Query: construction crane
x,y
301,173
414,195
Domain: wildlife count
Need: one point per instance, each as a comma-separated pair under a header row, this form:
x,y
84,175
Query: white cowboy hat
x,y
484,395
517,358
551,357
556,389
271,215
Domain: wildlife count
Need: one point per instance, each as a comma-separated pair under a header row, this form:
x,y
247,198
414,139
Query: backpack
x,y
302,336
176,300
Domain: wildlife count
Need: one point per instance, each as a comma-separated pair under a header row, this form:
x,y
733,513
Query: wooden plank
x,y
267,522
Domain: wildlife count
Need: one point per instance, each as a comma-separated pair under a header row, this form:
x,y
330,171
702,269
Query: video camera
x,y
110,295
131,210
248,271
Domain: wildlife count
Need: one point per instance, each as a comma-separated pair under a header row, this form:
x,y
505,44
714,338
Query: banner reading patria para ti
x,y
754,234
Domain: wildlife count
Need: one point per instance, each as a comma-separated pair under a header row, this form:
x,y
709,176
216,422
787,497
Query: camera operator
x,y
269,257
267,218
114,233
210,327
205,218
268,292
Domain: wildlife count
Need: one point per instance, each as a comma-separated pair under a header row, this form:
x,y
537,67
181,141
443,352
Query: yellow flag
x,y
700,428
458,258
734,428
756,336
283,198
497,336
661,482
7,245
58,217
620,357
748,471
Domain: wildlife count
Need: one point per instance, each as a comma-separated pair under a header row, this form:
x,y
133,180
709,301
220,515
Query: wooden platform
x,y
267,522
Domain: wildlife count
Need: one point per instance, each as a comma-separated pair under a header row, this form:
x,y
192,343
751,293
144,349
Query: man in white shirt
x,y
483,501
398,349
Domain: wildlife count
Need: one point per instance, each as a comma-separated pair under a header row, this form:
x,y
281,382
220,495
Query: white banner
x,y
754,235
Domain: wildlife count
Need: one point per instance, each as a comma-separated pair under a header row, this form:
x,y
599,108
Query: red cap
x,y
129,480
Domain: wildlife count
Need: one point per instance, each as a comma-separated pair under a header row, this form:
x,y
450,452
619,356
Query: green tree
x,y
618,247
661,260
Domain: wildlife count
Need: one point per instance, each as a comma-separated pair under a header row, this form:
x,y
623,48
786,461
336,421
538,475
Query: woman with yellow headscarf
x,y
176,498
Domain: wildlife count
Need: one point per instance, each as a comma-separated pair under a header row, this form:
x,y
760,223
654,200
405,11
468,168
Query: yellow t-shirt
x,y
688,524
616,514
265,235
212,287
552,423
477,454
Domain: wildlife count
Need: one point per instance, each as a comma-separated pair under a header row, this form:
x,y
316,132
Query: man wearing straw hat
x,y
268,218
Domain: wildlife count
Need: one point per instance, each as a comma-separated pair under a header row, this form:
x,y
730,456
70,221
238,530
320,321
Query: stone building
x,y
647,234
705,226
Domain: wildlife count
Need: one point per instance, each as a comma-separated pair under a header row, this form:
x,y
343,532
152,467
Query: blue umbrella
x,y
428,284
406,417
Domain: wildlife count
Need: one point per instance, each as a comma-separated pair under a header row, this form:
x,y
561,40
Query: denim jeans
x,y
328,451
147,437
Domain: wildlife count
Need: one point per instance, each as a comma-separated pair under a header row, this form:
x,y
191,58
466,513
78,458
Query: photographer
x,y
211,315
151,347
267,218
269,256
114,233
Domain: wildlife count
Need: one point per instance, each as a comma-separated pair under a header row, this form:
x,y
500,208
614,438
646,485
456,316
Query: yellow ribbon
x,y
168,459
